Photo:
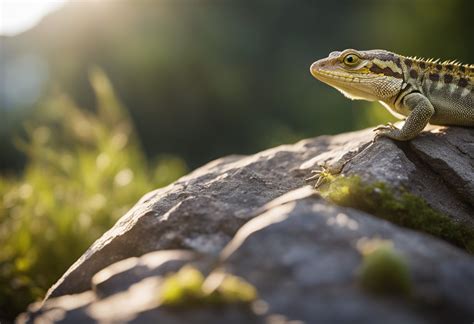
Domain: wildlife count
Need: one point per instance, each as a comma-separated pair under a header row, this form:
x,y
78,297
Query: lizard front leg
x,y
421,112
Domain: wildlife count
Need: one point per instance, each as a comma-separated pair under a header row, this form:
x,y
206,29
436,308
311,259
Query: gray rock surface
x,y
299,251
306,263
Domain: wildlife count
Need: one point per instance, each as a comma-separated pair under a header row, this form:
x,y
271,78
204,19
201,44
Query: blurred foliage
x,y
84,171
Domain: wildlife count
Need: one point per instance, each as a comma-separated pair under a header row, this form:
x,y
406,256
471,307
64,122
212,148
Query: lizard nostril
x,y
314,68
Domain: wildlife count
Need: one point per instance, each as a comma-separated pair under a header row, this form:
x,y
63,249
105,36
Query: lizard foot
x,y
321,175
383,130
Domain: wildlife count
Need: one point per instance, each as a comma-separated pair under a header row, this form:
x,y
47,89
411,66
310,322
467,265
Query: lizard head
x,y
374,75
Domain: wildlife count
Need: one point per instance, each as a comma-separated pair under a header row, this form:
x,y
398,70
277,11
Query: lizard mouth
x,y
341,76
348,84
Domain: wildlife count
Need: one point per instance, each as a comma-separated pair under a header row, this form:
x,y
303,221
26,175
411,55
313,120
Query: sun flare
x,y
17,16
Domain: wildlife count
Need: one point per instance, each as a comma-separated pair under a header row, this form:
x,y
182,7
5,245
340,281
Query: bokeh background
x,y
103,100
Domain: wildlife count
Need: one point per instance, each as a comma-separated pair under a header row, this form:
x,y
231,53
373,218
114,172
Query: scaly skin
x,y
423,91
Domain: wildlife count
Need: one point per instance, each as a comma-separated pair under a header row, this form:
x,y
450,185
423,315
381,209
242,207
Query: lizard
x,y
423,91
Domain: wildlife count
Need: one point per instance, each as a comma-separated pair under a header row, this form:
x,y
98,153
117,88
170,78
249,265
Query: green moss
x,y
236,290
402,208
189,287
182,287
385,271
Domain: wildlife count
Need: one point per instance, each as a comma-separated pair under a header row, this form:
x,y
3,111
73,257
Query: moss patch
x,y
384,270
189,287
404,209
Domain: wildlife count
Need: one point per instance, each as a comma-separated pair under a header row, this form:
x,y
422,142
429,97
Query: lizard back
x,y
449,86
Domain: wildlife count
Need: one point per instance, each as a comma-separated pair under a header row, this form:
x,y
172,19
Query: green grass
x,y
84,171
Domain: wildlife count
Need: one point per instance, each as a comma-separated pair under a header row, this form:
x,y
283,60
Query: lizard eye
x,y
351,59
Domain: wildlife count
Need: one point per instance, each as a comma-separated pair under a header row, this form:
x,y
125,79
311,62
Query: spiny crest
x,y
432,60
453,63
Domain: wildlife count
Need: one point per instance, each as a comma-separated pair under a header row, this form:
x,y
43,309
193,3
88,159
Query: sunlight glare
x,y
17,16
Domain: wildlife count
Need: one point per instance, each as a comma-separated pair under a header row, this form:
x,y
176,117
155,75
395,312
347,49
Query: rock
x,y
113,278
303,259
455,162
302,256
128,291
201,211
430,166
299,251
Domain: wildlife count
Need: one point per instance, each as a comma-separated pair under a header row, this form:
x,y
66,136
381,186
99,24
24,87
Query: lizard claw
x,y
382,130
386,127
315,174
320,175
